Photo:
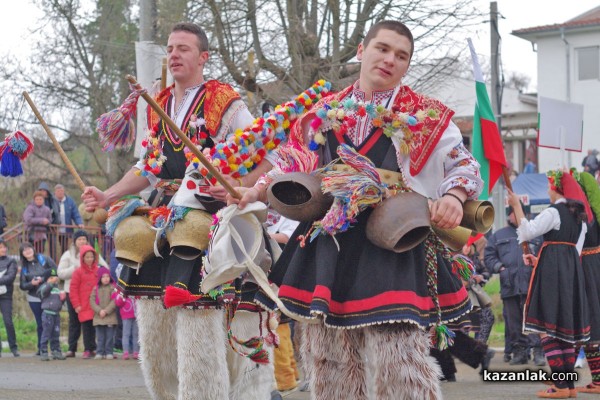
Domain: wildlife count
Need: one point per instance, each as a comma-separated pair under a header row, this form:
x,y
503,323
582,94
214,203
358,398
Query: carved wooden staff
x,y
191,146
100,214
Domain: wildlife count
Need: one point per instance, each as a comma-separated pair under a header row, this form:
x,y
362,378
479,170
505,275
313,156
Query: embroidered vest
x,y
406,101
211,102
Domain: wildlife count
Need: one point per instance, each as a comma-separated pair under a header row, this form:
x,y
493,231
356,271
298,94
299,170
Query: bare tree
x,y
296,42
76,72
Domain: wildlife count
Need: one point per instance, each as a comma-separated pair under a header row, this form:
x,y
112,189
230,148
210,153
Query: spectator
x,y
530,167
52,204
3,221
8,273
68,214
83,281
105,315
37,217
590,162
483,318
503,255
35,269
130,329
67,265
52,301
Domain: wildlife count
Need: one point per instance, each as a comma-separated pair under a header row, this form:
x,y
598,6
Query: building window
x,y
588,60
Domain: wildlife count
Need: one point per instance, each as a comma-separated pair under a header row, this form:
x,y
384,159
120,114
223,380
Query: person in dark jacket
x,y
68,214
35,269
52,301
3,221
503,255
8,273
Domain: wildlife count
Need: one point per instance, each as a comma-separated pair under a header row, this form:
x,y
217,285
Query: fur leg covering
x,y
399,362
158,348
249,380
337,370
201,359
302,350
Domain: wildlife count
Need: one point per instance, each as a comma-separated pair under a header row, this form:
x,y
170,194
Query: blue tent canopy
x,y
535,185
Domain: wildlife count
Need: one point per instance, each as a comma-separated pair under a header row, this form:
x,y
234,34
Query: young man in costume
x,y
183,349
372,307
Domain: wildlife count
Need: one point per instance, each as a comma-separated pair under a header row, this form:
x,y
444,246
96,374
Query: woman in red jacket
x,y
82,282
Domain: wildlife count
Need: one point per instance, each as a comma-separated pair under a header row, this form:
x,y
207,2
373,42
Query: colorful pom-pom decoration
x,y
14,149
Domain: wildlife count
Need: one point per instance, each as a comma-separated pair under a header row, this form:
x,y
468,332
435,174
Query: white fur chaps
x,y
381,362
249,380
184,355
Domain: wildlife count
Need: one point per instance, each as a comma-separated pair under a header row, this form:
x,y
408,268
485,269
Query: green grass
x,y
26,331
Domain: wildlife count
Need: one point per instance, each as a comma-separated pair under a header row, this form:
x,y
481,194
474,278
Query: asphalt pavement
x,y
27,378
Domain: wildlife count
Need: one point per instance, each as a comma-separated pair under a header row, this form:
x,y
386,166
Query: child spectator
x,y
130,328
35,269
52,300
82,284
105,316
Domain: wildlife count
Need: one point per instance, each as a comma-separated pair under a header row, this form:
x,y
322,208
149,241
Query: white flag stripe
x,y
476,67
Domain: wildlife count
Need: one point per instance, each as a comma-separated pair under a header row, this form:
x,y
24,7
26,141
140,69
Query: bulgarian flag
x,y
486,144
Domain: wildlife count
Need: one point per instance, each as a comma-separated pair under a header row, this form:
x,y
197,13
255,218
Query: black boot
x,y
519,356
538,357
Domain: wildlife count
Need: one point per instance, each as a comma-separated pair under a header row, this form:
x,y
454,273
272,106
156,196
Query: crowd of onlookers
x,y
81,279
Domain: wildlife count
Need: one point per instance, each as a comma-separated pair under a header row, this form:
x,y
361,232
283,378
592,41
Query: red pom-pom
x,y
175,296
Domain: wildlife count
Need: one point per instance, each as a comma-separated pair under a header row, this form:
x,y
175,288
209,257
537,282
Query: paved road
x,y
27,378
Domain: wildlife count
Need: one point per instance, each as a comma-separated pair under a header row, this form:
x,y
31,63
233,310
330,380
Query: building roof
x,y
588,20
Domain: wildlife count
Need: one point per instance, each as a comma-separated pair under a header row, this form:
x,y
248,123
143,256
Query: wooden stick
x,y
57,146
220,178
163,79
99,213
508,183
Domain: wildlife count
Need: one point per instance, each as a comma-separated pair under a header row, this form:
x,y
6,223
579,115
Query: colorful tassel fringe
x,y
15,148
116,128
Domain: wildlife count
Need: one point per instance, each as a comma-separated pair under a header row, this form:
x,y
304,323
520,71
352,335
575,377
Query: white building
x,y
568,69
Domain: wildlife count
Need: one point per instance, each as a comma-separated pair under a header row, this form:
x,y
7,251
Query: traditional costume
x,y
590,260
556,302
178,344
366,300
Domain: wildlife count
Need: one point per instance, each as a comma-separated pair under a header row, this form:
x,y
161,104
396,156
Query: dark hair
x,y
3,242
395,26
577,209
23,246
193,29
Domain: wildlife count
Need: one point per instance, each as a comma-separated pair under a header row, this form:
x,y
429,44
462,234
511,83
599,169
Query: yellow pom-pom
x,y
233,167
248,164
285,124
270,145
319,138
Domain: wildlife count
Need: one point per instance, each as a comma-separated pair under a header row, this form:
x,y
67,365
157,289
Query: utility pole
x,y
148,20
498,194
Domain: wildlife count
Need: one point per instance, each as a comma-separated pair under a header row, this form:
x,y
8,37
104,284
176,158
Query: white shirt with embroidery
x,y
547,220
450,164
236,117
